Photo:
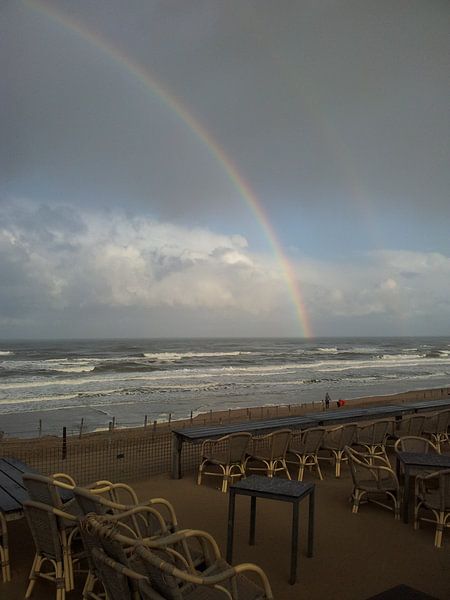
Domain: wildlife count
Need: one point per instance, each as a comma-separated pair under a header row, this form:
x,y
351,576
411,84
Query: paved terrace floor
x,y
356,556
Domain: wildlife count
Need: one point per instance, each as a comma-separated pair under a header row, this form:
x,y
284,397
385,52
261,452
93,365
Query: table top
x,y
402,592
440,461
12,490
252,426
272,487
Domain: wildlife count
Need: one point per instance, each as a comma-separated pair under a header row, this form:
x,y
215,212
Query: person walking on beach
x,y
327,400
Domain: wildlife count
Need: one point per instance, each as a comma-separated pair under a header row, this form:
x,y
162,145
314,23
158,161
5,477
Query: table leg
x,y
406,495
294,543
311,523
177,444
230,531
251,539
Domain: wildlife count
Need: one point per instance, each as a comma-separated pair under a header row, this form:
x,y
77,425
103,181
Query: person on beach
x,y
327,400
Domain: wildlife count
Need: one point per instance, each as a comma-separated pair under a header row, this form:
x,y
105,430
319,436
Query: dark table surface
x,y
273,486
402,592
430,459
13,492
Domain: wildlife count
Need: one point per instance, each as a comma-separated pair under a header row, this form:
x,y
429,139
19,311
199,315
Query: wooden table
x,y
273,488
415,460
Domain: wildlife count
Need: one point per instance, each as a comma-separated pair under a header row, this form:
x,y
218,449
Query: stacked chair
x,y
132,550
163,568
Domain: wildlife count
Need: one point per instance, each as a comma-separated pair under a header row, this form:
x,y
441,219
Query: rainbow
x,y
155,87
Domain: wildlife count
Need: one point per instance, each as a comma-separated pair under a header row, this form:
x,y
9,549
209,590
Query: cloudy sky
x,y
202,167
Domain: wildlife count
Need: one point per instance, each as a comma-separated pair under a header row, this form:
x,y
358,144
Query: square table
x,y
416,460
257,486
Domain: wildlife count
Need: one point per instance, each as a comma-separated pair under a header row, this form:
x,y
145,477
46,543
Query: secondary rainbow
x,y
154,86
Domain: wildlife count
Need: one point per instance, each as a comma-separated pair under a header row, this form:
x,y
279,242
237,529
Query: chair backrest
x,y
364,466
436,423
373,433
43,524
91,503
151,563
42,489
115,576
278,442
237,446
413,443
412,425
311,439
442,494
341,436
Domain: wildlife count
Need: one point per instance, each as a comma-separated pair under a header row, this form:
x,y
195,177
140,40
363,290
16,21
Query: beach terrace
x,y
356,556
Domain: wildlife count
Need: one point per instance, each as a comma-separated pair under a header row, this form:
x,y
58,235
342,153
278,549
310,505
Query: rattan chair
x,y
44,522
186,582
411,425
172,577
270,450
436,427
227,454
303,449
372,436
372,478
335,441
4,549
413,443
96,537
119,581
434,499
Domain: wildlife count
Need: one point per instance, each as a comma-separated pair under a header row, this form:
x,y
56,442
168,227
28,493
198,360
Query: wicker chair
x,y
436,427
372,437
45,525
411,425
119,582
271,453
434,499
335,441
121,522
4,549
181,580
303,449
412,443
372,477
227,454
171,576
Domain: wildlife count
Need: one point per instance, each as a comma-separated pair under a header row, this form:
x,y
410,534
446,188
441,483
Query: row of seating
x,y
232,456
132,549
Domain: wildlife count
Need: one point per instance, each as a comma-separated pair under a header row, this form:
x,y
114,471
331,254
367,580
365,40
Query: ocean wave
x,y
180,355
6,353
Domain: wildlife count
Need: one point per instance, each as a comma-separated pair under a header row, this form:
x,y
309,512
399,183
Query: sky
x,y
177,168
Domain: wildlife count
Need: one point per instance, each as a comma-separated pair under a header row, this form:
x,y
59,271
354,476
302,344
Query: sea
x,y
47,384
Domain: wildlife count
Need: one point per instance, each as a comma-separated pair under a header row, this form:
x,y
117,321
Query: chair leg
x,y
318,468
37,562
301,470
288,475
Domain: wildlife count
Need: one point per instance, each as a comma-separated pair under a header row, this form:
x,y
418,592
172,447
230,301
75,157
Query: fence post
x,y
64,444
81,427
145,422
191,417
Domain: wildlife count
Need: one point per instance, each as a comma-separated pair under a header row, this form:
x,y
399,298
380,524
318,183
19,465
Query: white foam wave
x,y
6,353
179,355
